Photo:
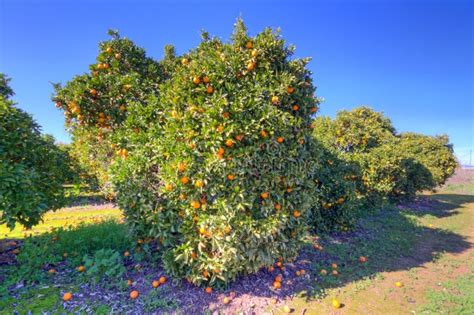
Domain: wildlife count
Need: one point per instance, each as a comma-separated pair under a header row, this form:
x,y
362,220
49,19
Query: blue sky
x,y
413,60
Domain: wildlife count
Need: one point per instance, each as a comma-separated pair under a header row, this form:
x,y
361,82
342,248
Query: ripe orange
x,y
277,206
324,272
248,45
277,285
278,278
239,137
134,294
298,273
155,284
313,109
162,279
289,189
169,187
196,80
303,272
205,79
181,166
275,99
52,270
184,180
296,214
264,195
263,133
280,139
205,273
220,151
362,259
109,50
295,107
290,90
335,273
229,143
225,114
118,56
208,290
209,90
81,268
129,282
195,204
67,296
230,177
251,65
336,304
279,264
199,184
226,300
254,53
334,266
93,92
271,269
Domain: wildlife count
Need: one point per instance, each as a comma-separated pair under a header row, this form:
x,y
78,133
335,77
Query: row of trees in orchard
x,y
217,156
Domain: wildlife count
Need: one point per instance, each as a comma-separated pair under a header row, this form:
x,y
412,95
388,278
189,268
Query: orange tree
x,y
385,169
337,204
97,103
434,153
32,168
221,176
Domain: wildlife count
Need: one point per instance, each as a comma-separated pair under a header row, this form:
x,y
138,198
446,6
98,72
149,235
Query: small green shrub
x,y
38,253
104,264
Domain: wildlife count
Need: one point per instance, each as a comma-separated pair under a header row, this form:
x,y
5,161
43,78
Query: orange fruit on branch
x,y
229,143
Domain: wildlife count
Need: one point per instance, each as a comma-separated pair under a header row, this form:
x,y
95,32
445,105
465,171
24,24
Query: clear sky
x,y
413,60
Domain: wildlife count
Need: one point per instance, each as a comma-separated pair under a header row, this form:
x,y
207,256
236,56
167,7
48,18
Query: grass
x,y
67,217
453,297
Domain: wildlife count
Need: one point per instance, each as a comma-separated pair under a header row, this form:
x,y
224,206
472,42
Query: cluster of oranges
x,y
205,80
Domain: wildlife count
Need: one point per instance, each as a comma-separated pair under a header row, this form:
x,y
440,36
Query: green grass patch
x,y
454,297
